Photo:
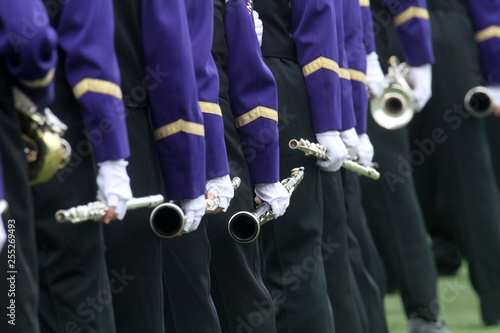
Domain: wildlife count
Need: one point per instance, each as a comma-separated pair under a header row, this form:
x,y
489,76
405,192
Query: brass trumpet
x,y
244,227
97,209
319,151
479,102
395,108
42,131
167,220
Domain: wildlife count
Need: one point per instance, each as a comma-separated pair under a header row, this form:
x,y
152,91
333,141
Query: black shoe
x,y
492,322
419,325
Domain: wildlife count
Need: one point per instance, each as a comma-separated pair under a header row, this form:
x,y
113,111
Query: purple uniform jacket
x,y
485,16
175,112
356,59
315,35
253,94
367,21
411,19
348,116
86,38
28,46
200,19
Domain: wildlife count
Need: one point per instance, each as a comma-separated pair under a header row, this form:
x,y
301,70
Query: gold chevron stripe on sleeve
x,y
97,86
211,108
254,114
410,13
364,3
488,33
319,63
40,83
179,126
344,74
357,76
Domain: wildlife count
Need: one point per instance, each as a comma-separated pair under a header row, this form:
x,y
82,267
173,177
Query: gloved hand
x,y
495,92
259,28
222,188
275,194
420,80
3,234
365,151
113,186
194,209
21,101
351,141
375,78
336,150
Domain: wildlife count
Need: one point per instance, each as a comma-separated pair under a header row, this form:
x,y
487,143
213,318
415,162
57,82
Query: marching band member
x,y
27,62
71,258
400,218
466,45
300,47
247,88
167,141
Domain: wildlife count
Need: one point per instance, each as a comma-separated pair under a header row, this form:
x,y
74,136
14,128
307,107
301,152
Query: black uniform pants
x,y
133,252
19,277
292,245
451,146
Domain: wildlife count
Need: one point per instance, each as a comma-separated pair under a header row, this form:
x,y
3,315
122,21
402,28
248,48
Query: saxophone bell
x,y
479,102
395,108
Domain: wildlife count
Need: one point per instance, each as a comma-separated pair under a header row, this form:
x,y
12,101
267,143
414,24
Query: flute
x,y
319,151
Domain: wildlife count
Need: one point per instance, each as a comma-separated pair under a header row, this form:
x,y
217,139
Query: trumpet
x,y
46,150
244,227
319,151
3,206
479,102
167,220
97,209
395,108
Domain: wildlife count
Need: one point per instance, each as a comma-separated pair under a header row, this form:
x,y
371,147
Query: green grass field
x,y
459,307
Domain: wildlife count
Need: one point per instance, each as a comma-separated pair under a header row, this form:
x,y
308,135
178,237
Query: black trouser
x,y
292,263
74,286
367,264
133,251
350,313
242,300
23,274
455,150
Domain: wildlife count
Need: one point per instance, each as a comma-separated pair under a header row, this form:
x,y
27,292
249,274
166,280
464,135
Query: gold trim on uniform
x,y
364,3
97,86
357,76
344,74
319,63
254,114
40,83
179,126
212,108
411,12
488,33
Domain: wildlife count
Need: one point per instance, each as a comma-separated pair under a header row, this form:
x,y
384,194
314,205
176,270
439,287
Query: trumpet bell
x,y
394,109
244,227
167,220
479,102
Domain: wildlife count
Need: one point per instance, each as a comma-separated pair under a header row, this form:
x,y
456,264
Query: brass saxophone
x,y
46,150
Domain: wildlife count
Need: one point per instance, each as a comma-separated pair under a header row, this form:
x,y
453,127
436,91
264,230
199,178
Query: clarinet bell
x,y
167,220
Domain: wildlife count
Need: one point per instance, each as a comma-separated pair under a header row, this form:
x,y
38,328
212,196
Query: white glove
x,y
495,92
336,150
222,188
259,28
276,195
420,80
365,151
114,185
194,209
375,78
3,234
351,141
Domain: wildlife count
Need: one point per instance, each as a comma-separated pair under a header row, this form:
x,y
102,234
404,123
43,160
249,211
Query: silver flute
x,y
319,151
97,209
